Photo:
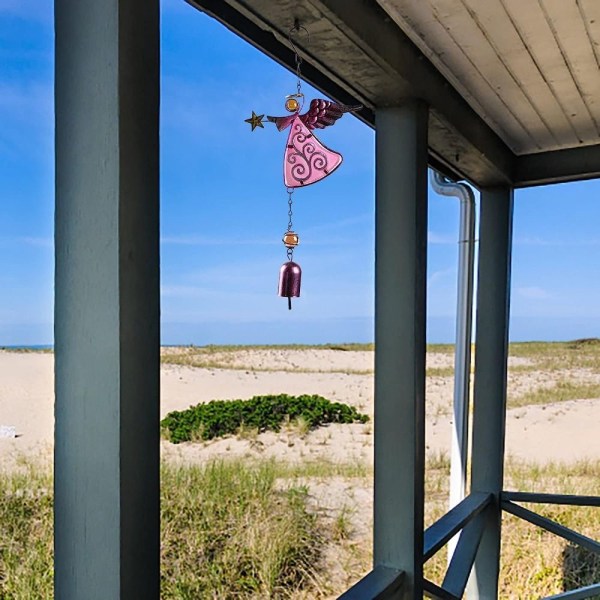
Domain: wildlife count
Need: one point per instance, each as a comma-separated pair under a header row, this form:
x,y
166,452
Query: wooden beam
x,y
566,499
553,527
400,283
381,583
434,591
107,317
557,166
438,534
459,569
578,594
491,359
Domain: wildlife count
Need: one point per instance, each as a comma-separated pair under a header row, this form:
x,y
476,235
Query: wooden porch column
x,y
400,283
491,354
107,300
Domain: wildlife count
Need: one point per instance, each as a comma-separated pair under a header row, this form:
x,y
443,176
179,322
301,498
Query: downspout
x,y
464,325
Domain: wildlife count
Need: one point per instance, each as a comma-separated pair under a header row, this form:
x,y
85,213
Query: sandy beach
x,y
554,414
556,431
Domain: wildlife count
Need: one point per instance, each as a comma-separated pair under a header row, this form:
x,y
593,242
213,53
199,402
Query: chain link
x,y
290,213
290,191
298,75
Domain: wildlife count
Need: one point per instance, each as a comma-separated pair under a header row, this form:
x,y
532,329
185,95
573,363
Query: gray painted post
x,y
491,354
400,283
107,300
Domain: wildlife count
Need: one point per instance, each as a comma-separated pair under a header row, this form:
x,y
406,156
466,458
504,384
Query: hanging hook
x,y
297,28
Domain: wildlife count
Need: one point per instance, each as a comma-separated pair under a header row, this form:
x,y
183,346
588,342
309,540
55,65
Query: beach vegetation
x,y
562,391
218,418
256,529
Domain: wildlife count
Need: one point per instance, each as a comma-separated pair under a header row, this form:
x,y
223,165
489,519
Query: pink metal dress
x,y
306,159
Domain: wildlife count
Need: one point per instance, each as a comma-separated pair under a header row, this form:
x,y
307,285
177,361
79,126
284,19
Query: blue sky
x,y
224,207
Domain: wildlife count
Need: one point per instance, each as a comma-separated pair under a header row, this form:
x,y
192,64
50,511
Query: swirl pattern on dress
x,y
304,156
307,160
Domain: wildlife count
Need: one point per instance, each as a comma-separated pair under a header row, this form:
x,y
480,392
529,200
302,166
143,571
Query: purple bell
x,y
290,275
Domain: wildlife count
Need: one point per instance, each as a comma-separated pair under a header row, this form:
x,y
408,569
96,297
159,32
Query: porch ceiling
x,y
513,87
529,69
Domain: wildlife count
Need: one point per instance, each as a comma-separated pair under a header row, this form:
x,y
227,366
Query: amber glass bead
x,y
290,239
291,105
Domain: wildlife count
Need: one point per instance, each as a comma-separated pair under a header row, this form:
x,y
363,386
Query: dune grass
x,y
227,531
250,530
26,544
561,392
553,356
232,358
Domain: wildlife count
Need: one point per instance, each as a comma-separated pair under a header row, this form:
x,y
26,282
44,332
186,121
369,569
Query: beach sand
x,y
563,431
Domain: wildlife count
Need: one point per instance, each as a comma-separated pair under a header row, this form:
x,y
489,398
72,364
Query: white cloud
x,y
441,238
442,275
199,240
538,241
43,242
36,241
533,292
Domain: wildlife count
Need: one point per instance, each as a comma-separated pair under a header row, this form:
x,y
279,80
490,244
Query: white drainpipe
x,y
464,324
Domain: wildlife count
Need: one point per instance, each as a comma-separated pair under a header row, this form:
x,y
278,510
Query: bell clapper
x,y
289,303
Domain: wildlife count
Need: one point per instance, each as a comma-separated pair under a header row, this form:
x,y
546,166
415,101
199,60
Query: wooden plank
x,y
459,569
590,13
503,34
553,527
475,43
569,29
434,591
578,594
453,521
439,44
535,27
382,583
566,499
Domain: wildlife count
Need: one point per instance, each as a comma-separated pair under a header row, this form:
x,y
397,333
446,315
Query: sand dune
x,y
565,431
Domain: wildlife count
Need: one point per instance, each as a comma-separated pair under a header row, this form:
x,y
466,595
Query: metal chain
x,y
298,83
297,28
290,191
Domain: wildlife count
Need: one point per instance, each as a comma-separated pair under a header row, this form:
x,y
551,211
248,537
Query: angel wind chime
x,y
306,160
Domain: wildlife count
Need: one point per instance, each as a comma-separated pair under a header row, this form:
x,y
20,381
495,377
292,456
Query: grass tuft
x,y
26,534
561,392
229,532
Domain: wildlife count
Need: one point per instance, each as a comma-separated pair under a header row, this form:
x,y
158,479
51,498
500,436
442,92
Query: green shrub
x,y
222,417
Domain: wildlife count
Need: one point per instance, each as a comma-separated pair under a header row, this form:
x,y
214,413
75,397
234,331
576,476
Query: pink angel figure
x,y
306,159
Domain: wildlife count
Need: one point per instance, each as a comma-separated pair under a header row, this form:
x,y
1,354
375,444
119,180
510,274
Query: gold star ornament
x,y
255,121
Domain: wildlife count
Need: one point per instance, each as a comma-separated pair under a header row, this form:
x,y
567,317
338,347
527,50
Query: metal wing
x,y
281,122
323,113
